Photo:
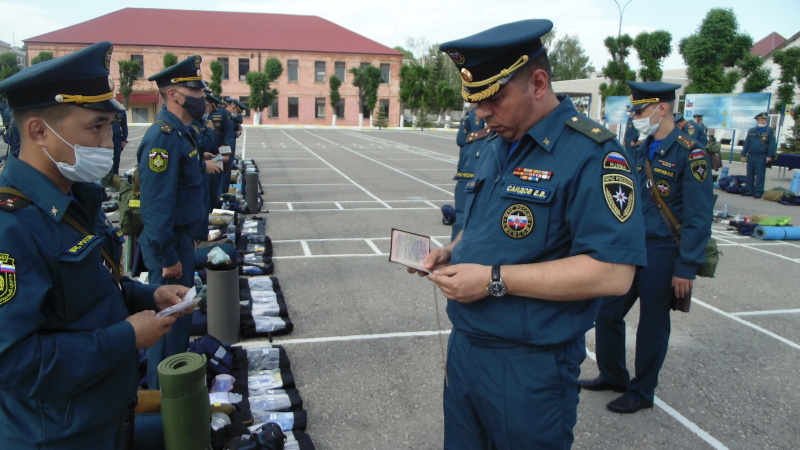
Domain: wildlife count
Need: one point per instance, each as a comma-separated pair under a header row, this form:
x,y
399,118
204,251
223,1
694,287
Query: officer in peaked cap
x,y
171,195
674,168
551,223
696,131
223,136
68,327
758,151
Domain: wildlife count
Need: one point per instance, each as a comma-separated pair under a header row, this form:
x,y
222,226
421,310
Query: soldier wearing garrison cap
x,y
69,333
551,222
758,151
674,168
172,204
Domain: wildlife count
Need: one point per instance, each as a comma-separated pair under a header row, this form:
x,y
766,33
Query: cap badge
x,y
466,75
456,56
107,57
197,60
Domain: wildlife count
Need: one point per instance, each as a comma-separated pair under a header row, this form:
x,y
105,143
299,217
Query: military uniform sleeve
x,y
698,204
139,296
159,167
43,363
603,211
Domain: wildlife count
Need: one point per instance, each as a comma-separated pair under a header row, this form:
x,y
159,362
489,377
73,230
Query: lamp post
x,y
621,12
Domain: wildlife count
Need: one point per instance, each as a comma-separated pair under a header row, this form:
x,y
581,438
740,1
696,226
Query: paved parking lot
x,y
365,348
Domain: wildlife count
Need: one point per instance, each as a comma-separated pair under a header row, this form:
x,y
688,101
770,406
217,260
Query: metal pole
x,y
733,141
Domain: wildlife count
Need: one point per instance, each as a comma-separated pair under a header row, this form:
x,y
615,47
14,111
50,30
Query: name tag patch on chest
x,y
620,196
79,247
192,153
517,221
615,161
464,175
528,192
664,172
8,278
158,159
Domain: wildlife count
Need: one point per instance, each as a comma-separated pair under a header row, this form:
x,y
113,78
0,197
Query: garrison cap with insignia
x,y
644,93
488,59
185,73
761,115
80,78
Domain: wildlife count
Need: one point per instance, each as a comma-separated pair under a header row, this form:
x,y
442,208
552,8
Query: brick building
x,y
310,48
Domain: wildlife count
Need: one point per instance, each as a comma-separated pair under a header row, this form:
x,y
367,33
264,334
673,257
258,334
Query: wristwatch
x,y
496,287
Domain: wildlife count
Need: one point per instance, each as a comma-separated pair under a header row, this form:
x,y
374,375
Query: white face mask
x,y
644,125
91,163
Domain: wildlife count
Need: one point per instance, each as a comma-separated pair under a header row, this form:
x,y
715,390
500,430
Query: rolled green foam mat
x,y
185,406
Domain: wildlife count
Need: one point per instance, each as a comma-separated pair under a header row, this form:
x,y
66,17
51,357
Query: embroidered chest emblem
x,y
517,221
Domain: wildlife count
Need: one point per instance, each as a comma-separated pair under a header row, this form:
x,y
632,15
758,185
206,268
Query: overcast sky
x,y
392,22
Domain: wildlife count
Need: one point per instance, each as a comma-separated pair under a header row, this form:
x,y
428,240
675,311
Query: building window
x,y
293,70
140,60
340,108
364,65
385,73
319,108
319,71
384,102
226,75
340,70
246,100
244,67
293,108
272,112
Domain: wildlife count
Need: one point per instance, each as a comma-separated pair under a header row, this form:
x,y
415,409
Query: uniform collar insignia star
x,y
54,211
546,141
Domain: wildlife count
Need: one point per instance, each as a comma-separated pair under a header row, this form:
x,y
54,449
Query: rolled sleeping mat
x,y
223,304
777,233
251,191
185,407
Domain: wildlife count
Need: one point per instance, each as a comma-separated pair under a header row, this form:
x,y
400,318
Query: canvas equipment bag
x,y
130,215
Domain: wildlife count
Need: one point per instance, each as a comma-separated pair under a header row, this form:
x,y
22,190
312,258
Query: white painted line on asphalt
x,y
760,313
357,337
432,205
680,418
337,170
373,247
244,143
437,242
347,209
751,325
753,246
338,205
345,255
284,169
306,250
305,184
289,205
386,165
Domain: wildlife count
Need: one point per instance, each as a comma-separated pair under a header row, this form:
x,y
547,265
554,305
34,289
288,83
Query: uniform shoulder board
x,y
480,134
686,142
12,199
590,128
165,127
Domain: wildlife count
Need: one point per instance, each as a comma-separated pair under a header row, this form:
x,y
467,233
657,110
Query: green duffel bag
x,y
130,215
712,259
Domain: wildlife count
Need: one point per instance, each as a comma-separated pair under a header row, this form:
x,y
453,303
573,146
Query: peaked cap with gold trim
x,y
81,78
644,93
487,60
185,73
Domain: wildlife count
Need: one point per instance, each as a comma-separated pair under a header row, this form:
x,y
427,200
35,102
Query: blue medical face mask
x,y
91,163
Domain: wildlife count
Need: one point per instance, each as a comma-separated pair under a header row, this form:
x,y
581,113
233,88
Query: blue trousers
x,y
507,396
756,171
177,340
652,285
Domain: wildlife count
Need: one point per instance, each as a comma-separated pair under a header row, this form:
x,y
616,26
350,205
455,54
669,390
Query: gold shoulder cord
x,y
439,328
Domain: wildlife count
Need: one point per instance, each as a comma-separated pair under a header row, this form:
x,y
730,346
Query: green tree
x,y
334,84
127,75
652,48
367,81
792,144
617,69
261,95
757,77
568,59
712,53
41,57
216,78
170,59
381,119
406,53
423,121
413,88
447,98
8,65
789,61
